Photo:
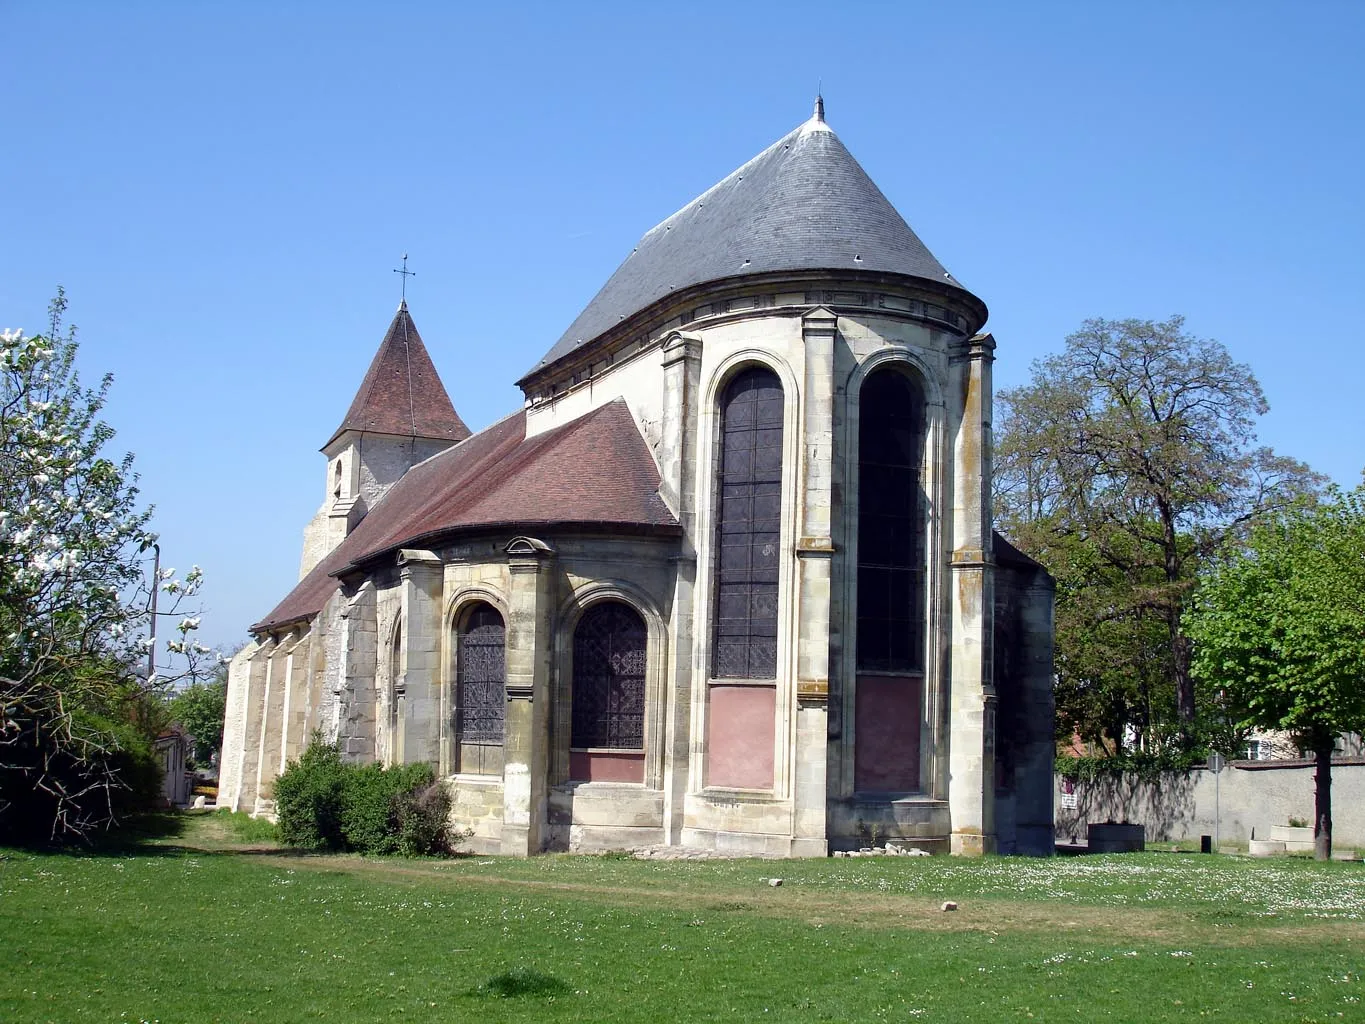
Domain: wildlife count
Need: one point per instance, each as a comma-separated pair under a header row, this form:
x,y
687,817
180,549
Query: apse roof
x,y
595,471
804,203
402,393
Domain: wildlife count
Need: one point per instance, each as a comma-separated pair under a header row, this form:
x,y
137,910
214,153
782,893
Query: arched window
x,y
609,648
336,484
890,535
480,689
891,604
748,527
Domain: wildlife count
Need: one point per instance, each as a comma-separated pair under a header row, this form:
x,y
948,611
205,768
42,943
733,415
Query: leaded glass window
x,y
748,527
609,678
890,534
481,675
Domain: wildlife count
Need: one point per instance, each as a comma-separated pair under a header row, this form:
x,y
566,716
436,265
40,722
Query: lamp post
x,y
156,586
1216,766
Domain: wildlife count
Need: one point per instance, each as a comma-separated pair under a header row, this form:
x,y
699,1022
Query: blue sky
x,y
223,189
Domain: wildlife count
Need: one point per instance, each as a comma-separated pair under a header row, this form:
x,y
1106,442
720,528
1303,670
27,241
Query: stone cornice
x,y
944,307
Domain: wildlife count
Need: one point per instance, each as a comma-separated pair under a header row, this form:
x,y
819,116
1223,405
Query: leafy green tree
x,y
1121,466
75,719
200,708
1279,625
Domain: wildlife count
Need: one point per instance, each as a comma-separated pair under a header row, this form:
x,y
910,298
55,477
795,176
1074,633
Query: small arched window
x,y
336,481
748,527
481,689
609,649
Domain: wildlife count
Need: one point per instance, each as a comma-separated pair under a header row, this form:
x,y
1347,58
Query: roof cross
x,y
406,274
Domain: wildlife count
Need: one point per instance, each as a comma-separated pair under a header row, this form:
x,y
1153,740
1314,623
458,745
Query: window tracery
x,y
748,527
609,661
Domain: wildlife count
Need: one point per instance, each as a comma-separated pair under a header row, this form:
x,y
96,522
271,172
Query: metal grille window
x,y
481,676
890,534
609,678
748,527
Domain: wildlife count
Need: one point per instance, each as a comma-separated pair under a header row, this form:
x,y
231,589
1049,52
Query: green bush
x,y
423,819
325,804
309,797
1147,767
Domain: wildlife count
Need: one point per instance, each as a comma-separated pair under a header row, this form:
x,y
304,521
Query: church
x,y
726,581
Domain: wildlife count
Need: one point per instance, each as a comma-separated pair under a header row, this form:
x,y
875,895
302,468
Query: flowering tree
x,y
75,608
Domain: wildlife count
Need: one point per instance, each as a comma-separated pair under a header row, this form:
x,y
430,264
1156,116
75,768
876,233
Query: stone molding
x,y
793,296
680,345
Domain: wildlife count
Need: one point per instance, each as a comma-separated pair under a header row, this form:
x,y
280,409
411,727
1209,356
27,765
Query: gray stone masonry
x,y
358,705
526,733
421,574
971,729
678,485
814,566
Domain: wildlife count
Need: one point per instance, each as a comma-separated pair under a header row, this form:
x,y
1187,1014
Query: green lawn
x,y
201,928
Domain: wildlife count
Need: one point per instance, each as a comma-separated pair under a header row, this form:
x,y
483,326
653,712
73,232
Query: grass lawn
x,y
202,927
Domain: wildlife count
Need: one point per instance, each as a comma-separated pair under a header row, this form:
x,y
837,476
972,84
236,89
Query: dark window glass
x,y
890,534
482,676
748,523
609,678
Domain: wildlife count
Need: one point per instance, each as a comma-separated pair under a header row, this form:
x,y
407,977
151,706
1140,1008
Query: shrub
x,y
309,799
1146,766
325,804
423,819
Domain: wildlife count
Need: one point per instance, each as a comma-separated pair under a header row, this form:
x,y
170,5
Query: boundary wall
x,y
1250,795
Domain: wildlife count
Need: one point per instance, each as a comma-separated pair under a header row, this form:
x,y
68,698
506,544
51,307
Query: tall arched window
x,y
890,549
748,527
891,605
480,689
608,727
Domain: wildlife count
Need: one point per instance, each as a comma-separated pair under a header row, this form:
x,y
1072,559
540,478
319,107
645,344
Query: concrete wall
x,y
1250,795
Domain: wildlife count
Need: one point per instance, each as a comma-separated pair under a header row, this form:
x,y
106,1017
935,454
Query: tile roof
x,y
402,393
804,203
596,471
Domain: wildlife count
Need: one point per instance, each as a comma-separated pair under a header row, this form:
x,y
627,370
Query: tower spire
x,y
819,107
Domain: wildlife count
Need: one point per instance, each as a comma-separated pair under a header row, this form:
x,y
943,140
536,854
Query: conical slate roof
x,y
803,203
401,393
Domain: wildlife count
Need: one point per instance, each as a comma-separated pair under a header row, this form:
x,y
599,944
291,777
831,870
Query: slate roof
x,y
804,203
595,471
401,393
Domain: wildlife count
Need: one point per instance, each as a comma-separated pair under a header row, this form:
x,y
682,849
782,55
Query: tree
x,y
75,719
1279,624
200,708
1121,466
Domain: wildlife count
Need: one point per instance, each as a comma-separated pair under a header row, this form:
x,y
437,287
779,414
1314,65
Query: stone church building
x,y
727,580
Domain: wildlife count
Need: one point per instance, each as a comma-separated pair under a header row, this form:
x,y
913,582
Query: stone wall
x,y
1250,795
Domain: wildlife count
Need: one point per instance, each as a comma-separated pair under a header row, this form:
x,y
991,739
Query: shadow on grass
x,y
520,982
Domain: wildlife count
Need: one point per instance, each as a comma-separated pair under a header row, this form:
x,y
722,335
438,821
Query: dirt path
x,y
881,911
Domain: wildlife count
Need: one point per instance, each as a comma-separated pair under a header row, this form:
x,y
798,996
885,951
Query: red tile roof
x,y
401,393
593,472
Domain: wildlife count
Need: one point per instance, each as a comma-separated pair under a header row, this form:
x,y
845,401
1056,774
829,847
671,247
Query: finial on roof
x,y
406,274
819,108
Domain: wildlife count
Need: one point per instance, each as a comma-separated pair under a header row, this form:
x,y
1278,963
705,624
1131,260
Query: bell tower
x,y
400,416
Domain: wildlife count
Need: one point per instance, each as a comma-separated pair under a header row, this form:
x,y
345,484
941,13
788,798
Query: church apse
x,y
727,579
